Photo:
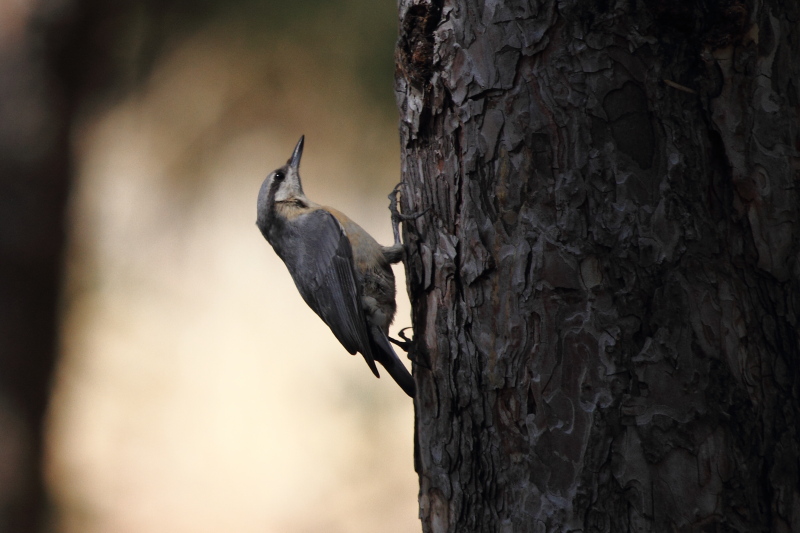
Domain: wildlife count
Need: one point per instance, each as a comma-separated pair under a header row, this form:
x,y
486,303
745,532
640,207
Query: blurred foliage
x,y
125,38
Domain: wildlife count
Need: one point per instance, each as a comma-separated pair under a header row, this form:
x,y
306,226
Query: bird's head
x,y
280,185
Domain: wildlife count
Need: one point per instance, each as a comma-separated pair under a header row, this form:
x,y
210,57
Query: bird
x,y
340,270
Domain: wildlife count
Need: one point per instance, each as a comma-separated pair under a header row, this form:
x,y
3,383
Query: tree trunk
x,y
51,58
606,288
34,178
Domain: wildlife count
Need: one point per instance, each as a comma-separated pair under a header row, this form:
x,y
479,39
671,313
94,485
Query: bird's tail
x,y
386,356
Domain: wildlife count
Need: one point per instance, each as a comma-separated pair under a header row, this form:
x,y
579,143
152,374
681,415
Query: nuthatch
x,y
342,273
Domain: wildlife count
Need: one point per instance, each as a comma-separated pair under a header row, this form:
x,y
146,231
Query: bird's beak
x,y
294,162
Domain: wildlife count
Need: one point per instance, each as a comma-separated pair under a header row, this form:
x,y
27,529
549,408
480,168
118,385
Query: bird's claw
x,y
406,343
393,206
397,216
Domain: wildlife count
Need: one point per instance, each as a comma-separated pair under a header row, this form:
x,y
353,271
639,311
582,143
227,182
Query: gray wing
x,y
320,260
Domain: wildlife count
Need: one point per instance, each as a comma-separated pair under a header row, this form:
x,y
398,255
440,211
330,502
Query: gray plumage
x,y
342,273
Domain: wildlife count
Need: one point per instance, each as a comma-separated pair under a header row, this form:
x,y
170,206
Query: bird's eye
x,y
279,175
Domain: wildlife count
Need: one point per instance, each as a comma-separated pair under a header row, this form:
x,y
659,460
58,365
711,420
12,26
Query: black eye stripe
x,y
279,175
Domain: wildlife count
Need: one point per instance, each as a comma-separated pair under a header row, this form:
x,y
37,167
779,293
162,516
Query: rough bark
x,y
606,288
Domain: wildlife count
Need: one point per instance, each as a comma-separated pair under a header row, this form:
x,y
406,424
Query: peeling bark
x,y
606,287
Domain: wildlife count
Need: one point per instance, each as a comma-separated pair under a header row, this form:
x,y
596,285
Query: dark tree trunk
x,y
607,287
51,57
55,57
34,178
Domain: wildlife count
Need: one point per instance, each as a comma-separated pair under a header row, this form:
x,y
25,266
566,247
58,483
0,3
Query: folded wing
x,y
320,260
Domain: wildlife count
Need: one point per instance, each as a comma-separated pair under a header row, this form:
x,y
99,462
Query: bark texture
x,y
606,289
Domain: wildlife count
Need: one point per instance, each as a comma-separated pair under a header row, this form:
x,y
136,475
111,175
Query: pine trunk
x,y
606,287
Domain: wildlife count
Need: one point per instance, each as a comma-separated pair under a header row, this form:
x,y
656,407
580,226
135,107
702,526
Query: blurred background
x,y
187,387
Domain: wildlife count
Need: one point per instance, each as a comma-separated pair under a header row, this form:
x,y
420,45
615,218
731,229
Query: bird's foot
x,y
406,344
397,216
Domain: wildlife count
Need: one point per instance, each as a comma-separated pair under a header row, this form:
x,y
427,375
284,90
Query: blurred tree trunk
x,y
34,179
606,290
55,57
46,51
